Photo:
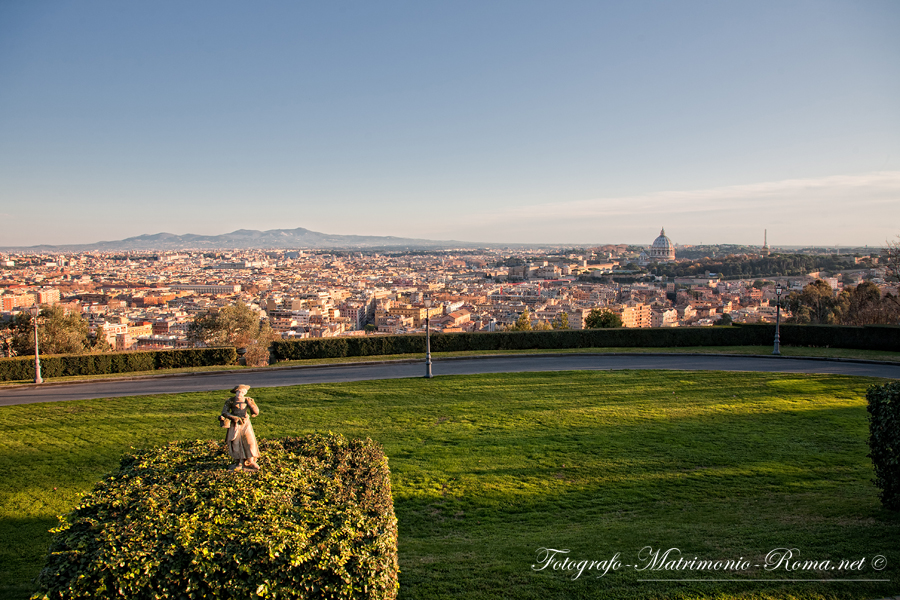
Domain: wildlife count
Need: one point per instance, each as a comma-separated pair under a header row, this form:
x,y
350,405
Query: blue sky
x,y
551,122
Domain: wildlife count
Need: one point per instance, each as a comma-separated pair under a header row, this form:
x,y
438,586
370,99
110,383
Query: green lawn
x,y
488,469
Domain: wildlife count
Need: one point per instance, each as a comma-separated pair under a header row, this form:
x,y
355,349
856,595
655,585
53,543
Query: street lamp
x,y
778,291
428,374
35,311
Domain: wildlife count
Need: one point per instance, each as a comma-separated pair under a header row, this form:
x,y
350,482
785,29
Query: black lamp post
x,y
778,291
35,311
428,374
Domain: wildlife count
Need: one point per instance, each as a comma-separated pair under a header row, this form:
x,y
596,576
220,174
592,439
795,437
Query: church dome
x,y
662,248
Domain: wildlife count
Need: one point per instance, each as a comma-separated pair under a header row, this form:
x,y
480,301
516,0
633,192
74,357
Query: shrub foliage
x,y
235,325
22,368
509,340
602,319
870,337
884,440
317,521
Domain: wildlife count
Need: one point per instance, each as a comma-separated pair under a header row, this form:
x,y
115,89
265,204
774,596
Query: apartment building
x,y
637,315
664,317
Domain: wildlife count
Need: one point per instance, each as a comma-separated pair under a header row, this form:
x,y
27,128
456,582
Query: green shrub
x,y
317,521
16,369
869,337
63,365
517,340
835,336
884,440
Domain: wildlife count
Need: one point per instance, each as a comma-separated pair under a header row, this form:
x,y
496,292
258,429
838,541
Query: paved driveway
x,y
201,382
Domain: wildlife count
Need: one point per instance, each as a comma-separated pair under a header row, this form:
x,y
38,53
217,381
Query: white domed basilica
x,y
662,250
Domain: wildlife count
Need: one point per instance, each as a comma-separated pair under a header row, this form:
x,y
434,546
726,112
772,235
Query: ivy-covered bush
x,y
884,440
317,521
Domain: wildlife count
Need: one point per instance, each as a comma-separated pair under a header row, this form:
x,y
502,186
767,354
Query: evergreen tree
x,y
523,323
59,332
236,325
864,305
602,318
817,304
561,321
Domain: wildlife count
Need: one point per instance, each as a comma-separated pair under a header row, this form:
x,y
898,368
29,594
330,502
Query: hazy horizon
x,y
469,243
511,122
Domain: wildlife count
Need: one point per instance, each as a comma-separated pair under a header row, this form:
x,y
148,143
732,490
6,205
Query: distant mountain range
x,y
248,239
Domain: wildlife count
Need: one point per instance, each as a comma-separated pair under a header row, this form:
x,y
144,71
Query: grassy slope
x,y
487,469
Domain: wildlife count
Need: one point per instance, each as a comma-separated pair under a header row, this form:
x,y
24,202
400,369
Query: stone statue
x,y
240,439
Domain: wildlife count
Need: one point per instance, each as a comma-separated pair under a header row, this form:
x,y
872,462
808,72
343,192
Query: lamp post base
x,y
428,374
777,350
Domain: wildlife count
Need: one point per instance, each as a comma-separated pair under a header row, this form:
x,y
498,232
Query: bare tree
x,y
890,260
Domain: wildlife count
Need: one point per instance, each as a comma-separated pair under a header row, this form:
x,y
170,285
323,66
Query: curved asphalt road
x,y
202,382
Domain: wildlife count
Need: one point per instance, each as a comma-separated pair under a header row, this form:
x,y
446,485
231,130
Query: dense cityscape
x,y
145,300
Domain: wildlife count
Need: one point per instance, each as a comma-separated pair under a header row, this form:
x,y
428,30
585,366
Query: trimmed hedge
x,y
868,337
512,340
872,337
22,368
876,338
317,521
884,440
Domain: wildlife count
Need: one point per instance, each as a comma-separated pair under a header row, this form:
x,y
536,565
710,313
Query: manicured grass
x,y
878,355
487,469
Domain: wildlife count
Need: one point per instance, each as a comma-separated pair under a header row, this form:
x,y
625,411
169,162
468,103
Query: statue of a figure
x,y
240,439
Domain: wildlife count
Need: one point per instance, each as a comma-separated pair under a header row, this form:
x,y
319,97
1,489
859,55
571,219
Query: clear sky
x,y
495,121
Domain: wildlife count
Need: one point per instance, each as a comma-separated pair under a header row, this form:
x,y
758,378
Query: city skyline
x,y
254,240
525,123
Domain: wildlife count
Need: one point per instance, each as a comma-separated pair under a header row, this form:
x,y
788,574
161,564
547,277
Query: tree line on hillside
x,y
864,304
714,251
598,318
778,265
861,305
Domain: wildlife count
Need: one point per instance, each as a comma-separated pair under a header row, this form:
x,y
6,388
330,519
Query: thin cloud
x,y
849,209
874,189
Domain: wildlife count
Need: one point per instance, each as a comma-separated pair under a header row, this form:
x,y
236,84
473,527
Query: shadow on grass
x,y
487,547
25,545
